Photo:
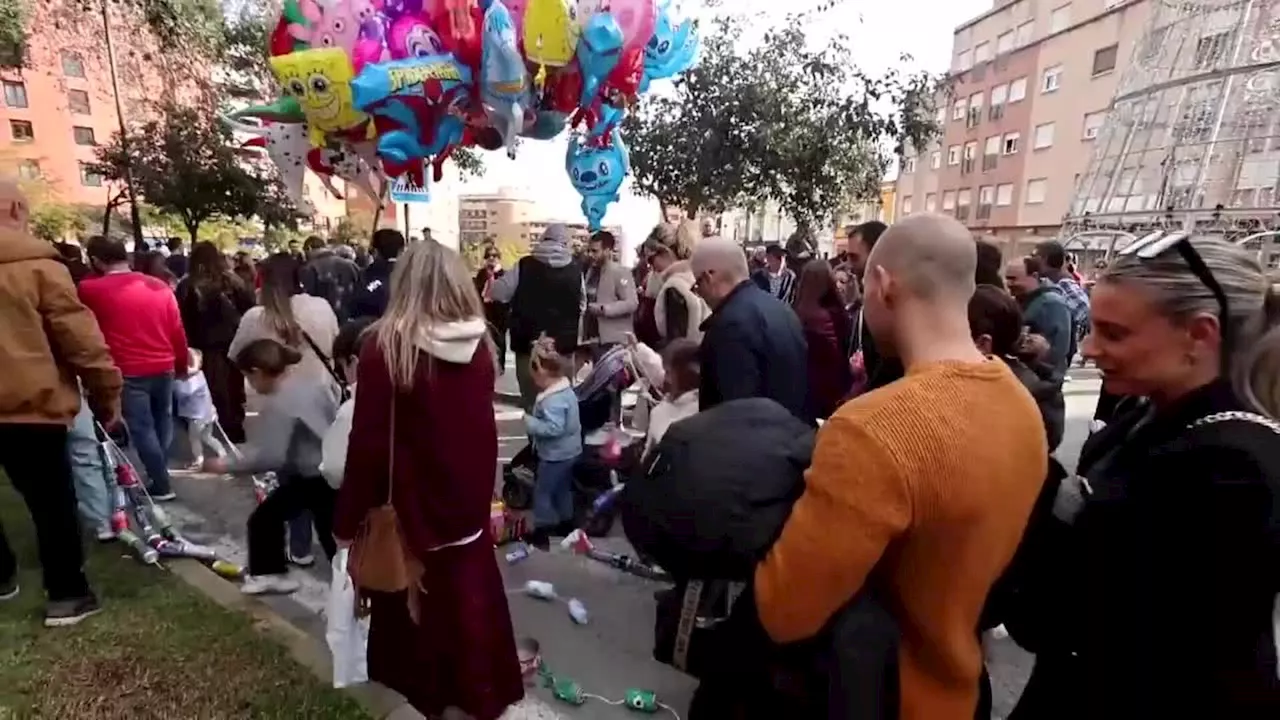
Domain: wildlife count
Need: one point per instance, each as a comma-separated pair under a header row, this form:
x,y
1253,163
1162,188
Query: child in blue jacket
x,y
556,431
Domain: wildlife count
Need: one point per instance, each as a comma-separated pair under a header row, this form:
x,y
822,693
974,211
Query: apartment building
x,y
1033,81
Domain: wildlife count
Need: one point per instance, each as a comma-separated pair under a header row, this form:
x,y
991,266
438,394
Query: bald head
x,y
721,256
932,257
718,266
13,204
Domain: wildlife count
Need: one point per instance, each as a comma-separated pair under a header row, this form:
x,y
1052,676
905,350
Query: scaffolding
x,y
1192,139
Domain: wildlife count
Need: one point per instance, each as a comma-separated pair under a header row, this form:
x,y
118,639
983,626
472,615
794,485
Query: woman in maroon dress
x,y
428,362
827,329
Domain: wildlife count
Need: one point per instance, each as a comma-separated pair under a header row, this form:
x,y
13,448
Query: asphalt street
x,y
612,652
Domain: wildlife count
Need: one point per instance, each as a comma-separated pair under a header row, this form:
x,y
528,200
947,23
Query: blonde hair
x,y
1253,308
430,286
679,238
544,357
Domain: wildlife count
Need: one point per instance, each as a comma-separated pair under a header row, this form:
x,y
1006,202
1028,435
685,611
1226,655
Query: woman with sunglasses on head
x,y
1158,597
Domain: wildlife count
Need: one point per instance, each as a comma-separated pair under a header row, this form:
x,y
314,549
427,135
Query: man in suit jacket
x,y
611,295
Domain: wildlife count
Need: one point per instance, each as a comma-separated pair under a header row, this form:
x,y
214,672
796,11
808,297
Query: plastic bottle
x,y
540,590
518,554
578,611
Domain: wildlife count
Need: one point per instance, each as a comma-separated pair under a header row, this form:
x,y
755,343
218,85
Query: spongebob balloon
x,y
320,80
671,50
597,173
504,80
550,34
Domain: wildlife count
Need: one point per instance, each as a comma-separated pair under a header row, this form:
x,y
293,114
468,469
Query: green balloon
x,y
283,110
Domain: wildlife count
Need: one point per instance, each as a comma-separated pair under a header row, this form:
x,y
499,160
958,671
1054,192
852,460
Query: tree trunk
x,y
193,227
106,220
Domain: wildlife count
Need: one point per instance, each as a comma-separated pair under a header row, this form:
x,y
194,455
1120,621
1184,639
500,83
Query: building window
x,y
1211,49
930,202
15,94
975,110
1011,141
88,177
906,204
967,160
1018,90
953,155
1036,190
83,135
1093,123
21,131
78,101
940,117
1004,195
908,165
999,94
964,198
1104,60
29,170
981,53
1004,42
985,195
959,109
1025,31
1043,137
1060,18
964,60
72,65
949,201
990,153
935,160
1052,79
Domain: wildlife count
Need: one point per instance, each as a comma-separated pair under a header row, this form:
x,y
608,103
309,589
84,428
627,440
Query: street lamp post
x,y
134,215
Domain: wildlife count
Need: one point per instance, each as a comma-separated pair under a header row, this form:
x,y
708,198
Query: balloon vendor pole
x,y
135,217
406,221
377,213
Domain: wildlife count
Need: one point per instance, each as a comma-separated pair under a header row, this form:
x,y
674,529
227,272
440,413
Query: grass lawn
x,y
158,650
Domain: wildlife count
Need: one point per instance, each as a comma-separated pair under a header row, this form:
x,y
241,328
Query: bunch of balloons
x,y
384,87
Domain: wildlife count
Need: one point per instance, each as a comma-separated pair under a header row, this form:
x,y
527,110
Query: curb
x,y
306,650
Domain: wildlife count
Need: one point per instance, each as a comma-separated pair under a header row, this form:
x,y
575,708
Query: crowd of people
x,y
931,369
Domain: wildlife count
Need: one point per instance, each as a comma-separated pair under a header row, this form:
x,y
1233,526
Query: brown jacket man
x,y
48,340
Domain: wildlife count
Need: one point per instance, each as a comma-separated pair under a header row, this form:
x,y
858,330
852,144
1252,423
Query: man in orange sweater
x,y
931,478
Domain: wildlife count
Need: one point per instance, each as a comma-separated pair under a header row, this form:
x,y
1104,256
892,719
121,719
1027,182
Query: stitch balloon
x,y
598,52
597,173
504,81
635,18
672,49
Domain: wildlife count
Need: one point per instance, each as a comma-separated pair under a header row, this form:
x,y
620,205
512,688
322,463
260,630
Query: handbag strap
x,y
326,361
688,616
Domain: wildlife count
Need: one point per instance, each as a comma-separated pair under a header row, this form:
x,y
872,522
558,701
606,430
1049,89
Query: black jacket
x,y
753,347
375,289
334,278
1157,600
547,300
210,318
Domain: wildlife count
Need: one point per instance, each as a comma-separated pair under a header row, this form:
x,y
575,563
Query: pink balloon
x,y
517,8
636,18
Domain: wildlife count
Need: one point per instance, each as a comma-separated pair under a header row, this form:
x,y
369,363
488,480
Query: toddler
x,y
346,353
556,432
195,408
296,413
681,377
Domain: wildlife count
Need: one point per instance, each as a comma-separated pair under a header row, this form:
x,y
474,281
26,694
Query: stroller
x,y
608,452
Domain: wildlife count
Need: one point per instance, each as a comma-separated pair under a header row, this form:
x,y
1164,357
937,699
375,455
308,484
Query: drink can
x,y
519,554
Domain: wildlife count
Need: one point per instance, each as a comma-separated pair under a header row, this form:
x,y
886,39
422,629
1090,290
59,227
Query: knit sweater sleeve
x,y
854,504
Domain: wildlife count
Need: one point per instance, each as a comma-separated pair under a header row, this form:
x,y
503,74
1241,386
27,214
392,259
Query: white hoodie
x,y
454,342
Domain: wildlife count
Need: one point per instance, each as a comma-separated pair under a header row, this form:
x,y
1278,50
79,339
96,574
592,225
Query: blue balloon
x,y
504,81
597,174
598,51
607,118
671,50
415,94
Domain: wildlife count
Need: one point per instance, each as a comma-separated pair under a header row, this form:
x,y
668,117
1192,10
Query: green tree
x,y
183,163
13,33
778,120
52,221
354,229
273,207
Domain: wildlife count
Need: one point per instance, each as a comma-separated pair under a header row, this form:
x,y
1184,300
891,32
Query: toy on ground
x,y
142,525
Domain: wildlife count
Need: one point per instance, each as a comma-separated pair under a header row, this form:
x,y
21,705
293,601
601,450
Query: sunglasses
x,y
1159,242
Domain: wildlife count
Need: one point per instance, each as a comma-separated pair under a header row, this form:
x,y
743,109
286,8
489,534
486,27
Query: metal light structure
x,y
134,215
1192,140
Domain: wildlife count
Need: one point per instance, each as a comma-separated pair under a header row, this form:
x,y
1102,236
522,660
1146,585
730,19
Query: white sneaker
x,y
105,533
303,561
268,585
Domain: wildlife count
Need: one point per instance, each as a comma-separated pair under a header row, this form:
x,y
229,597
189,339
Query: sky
x,y
881,31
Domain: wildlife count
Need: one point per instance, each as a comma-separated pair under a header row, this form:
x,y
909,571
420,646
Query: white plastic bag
x,y
347,635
